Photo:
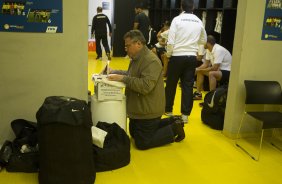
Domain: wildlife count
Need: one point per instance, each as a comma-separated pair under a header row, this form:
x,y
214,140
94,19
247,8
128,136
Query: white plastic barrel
x,y
109,111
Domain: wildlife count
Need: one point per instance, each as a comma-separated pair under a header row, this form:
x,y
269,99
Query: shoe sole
x,y
168,114
197,98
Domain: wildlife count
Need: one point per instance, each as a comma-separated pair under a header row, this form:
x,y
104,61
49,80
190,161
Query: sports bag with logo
x,y
214,108
65,142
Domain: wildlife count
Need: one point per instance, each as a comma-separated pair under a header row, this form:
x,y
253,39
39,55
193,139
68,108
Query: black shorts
x,y
160,51
150,46
225,77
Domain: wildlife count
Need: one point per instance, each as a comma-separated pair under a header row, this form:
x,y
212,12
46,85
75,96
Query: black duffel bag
x,y
214,105
24,155
116,151
65,142
27,162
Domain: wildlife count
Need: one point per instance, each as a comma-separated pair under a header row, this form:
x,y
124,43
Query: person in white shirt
x,y
217,66
160,47
185,34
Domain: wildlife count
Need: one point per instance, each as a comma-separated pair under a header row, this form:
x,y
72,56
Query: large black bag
x,y
116,151
214,108
24,155
23,162
65,142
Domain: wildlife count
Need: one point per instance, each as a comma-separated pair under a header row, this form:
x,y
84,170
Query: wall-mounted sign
x,y
272,27
105,5
31,16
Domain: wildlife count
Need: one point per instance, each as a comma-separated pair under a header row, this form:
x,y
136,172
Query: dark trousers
x,y
104,40
149,133
183,68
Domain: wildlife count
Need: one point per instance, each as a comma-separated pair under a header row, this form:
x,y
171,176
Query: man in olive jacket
x,y
145,96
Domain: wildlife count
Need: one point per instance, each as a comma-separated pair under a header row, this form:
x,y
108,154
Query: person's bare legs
x,y
214,76
165,61
200,80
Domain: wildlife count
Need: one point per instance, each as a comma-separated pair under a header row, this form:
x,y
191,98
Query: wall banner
x,y
31,16
272,27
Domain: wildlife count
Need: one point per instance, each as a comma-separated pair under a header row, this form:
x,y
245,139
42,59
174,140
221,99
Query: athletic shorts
x,y
225,76
160,51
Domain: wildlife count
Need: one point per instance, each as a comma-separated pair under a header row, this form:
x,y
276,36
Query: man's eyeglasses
x,y
129,44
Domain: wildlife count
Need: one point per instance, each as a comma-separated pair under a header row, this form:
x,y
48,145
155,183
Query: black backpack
x,y
65,142
116,151
214,108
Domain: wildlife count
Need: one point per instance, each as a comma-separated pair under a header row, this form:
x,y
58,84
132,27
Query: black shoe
x,y
99,58
178,130
201,104
197,96
177,117
170,120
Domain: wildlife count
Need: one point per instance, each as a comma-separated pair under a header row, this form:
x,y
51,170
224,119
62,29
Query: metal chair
x,y
262,93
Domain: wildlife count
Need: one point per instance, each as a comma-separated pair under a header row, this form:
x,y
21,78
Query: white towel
x,y
98,136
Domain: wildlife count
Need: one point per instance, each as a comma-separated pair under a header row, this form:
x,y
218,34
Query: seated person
x,y
217,66
160,47
145,96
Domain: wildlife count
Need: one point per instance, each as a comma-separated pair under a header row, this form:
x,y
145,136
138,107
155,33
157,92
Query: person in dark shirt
x,y
152,38
99,28
141,22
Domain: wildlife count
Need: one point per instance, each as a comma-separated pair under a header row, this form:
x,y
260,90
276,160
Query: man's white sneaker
x,y
184,118
168,114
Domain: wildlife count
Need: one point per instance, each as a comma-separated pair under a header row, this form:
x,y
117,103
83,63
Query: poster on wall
x,y
41,16
105,5
272,28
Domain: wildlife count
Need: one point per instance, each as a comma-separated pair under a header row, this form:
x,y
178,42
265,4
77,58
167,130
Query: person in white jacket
x,y
185,34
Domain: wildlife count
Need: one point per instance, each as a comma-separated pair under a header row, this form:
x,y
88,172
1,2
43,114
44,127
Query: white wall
x,y
253,58
36,65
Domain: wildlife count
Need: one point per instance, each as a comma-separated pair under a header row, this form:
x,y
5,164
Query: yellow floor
x,y
206,156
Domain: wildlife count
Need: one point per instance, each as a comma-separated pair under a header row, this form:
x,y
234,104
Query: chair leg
x,y
242,148
261,138
240,126
273,135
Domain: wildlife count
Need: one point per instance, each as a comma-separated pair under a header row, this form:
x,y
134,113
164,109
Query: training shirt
x,y
143,24
220,55
185,34
99,24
